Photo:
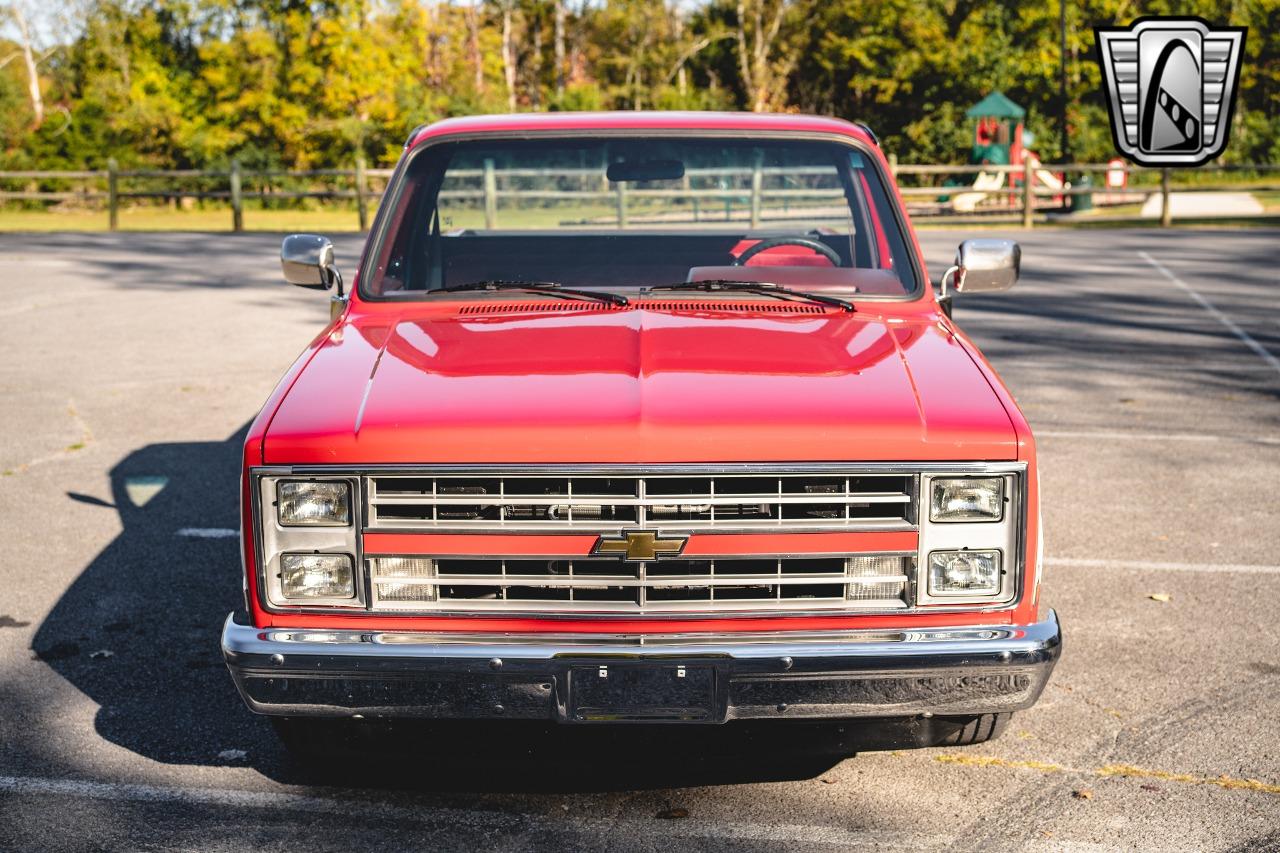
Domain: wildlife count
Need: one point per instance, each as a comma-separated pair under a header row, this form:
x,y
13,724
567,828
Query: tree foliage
x,y
307,83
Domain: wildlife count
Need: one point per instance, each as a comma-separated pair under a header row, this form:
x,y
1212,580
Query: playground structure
x,y
1000,140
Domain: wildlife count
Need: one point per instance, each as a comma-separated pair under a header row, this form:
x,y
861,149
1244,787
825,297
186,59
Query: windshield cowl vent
x,y
489,309
704,306
700,306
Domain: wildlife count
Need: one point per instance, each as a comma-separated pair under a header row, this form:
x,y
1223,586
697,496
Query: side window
x,y
393,270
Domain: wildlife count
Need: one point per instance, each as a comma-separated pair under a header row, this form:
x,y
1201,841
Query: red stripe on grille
x,y
699,545
715,544
481,545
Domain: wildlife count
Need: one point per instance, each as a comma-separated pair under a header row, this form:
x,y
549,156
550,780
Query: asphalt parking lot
x,y
1148,362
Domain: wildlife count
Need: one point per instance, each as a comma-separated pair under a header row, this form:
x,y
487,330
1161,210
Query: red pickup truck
x,y
643,417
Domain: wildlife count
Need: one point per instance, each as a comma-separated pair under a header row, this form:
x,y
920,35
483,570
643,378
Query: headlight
x,y
964,573
313,504
317,576
967,499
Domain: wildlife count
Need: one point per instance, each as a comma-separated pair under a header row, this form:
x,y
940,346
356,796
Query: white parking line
x,y
208,532
1012,362
1115,435
1157,566
1218,315
449,819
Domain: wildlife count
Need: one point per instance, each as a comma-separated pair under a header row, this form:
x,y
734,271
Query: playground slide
x,y
1049,179
984,184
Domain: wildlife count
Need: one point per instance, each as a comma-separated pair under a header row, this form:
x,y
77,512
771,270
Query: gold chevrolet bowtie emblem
x,y
640,545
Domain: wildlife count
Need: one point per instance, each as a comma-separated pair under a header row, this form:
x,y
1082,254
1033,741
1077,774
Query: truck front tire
x,y
967,731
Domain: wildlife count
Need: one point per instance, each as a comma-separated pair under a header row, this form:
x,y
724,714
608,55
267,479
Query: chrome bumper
x,y
943,671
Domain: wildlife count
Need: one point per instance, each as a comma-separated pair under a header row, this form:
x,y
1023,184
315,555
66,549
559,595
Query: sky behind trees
x,y
296,84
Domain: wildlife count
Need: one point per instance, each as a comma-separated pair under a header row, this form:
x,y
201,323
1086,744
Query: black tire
x,y
968,731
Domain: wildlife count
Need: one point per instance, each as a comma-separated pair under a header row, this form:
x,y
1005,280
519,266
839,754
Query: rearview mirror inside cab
x,y
645,170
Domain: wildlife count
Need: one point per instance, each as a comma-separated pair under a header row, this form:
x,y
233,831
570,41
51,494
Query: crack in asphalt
x,y
85,440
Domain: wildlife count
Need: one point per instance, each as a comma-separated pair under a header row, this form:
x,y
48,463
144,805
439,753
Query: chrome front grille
x,y
609,585
871,501
626,540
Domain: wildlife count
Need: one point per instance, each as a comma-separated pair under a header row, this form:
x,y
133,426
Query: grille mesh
x,y
593,584
602,503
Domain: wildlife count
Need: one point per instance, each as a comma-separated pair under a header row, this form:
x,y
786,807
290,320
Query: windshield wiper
x,y
766,288
550,288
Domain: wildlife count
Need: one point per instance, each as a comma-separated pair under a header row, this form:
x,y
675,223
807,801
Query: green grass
x,y
1270,200
157,219
324,220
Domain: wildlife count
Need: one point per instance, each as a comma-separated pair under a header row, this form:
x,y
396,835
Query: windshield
x,y
619,214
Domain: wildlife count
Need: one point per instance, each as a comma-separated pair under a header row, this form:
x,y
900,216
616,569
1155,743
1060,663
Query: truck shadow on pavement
x,y
137,632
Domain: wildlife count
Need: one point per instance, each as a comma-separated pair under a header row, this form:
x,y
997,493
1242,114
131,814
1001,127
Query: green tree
x,y
308,83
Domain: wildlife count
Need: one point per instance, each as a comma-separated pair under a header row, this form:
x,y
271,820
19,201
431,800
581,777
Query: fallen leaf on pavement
x,y
1160,596
1083,794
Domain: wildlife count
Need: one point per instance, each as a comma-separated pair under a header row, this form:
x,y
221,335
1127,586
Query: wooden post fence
x,y
1166,208
750,192
237,198
757,189
1028,193
620,194
490,196
362,204
113,195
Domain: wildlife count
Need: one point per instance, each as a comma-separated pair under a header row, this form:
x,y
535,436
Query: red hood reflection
x,y
425,385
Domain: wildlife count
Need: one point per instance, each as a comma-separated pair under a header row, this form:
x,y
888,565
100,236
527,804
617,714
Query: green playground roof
x,y
996,105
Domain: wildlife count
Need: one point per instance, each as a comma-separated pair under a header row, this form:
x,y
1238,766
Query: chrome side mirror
x,y
307,261
984,266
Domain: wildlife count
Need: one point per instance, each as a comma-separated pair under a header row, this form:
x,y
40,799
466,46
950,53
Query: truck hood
x,y
435,384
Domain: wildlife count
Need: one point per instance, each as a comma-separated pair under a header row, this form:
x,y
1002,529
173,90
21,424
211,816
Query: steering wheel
x,y
765,245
